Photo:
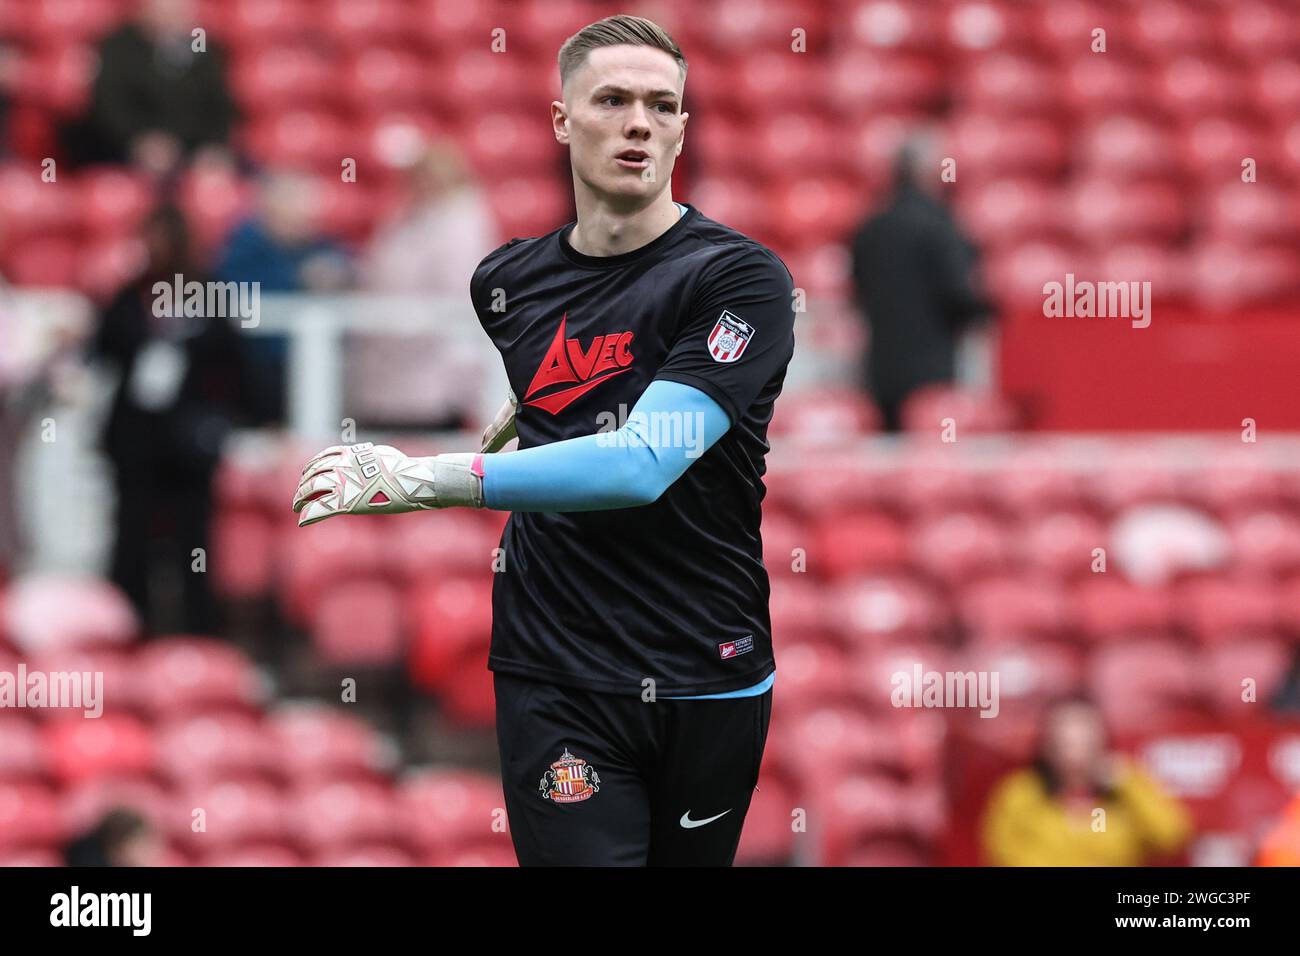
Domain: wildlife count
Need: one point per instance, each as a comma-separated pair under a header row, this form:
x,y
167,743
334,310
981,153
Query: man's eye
x,y
667,107
614,100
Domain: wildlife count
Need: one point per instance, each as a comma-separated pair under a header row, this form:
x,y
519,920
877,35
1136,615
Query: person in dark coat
x,y
185,382
913,277
156,99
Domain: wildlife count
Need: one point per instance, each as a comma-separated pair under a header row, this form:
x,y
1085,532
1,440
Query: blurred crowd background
x,y
1105,516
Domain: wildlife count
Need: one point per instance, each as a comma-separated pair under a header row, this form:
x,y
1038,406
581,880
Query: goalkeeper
x,y
631,640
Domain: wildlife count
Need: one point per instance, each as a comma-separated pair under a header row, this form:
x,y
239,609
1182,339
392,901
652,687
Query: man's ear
x,y
681,137
560,122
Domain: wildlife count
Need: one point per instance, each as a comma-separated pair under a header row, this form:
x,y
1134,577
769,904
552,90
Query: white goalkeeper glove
x,y
502,429
368,479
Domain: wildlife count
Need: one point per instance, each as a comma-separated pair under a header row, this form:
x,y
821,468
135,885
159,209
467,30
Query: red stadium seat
x,y
317,558
862,83
960,546
449,619
121,680
1012,210
301,139
739,203
316,740
385,78
1016,276
1009,84
334,814
30,207
860,542
43,263
29,816
1275,88
806,142
989,145
1222,609
933,484
214,746
243,554
1231,274
1029,672
1127,146
528,207
21,753
1105,210
442,810
1254,30
798,606
113,201
1266,543
58,76
926,410
813,675
1031,482
184,674
1166,26
885,676
1252,212
235,812
114,744
855,808
824,416
476,75
365,23
1194,86
213,200
48,611
877,609
1142,683
1060,543
1106,607
246,23
985,26
891,25
999,608
359,622
783,537
271,79
467,696
814,210
108,264
1226,668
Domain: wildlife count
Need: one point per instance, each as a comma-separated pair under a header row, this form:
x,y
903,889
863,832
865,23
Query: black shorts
x,y
595,779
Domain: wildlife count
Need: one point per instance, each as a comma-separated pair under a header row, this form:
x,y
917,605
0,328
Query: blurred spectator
x,y
121,838
441,235
1046,814
281,246
913,277
156,100
184,383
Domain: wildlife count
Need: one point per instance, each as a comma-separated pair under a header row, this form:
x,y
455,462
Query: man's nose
x,y
638,123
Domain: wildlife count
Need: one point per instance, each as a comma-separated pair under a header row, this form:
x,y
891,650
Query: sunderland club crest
x,y
570,780
729,338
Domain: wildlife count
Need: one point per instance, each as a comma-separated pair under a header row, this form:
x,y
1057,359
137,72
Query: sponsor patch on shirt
x,y
736,648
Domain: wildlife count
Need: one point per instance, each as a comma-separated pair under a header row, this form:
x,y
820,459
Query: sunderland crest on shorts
x,y
570,780
729,338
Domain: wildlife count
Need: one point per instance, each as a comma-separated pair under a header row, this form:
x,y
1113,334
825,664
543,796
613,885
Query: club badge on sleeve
x,y
729,338
570,780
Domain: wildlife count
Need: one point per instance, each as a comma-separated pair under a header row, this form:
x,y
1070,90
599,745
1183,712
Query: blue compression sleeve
x,y
671,426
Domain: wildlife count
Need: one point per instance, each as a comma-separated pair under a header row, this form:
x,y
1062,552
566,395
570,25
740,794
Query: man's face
x,y
622,120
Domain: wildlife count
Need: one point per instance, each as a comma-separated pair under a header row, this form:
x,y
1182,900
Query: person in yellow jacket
x,y
1079,804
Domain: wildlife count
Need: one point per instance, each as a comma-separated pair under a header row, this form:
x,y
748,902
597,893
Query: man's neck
x,y
602,231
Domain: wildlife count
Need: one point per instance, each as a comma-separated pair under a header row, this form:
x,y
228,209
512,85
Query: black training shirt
x,y
676,590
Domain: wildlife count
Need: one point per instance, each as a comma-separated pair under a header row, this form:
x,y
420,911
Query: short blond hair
x,y
620,30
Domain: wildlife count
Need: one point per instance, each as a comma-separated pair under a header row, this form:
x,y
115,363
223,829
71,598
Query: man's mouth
x,y
633,158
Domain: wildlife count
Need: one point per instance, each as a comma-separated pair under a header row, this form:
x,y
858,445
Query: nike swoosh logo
x,y
689,824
